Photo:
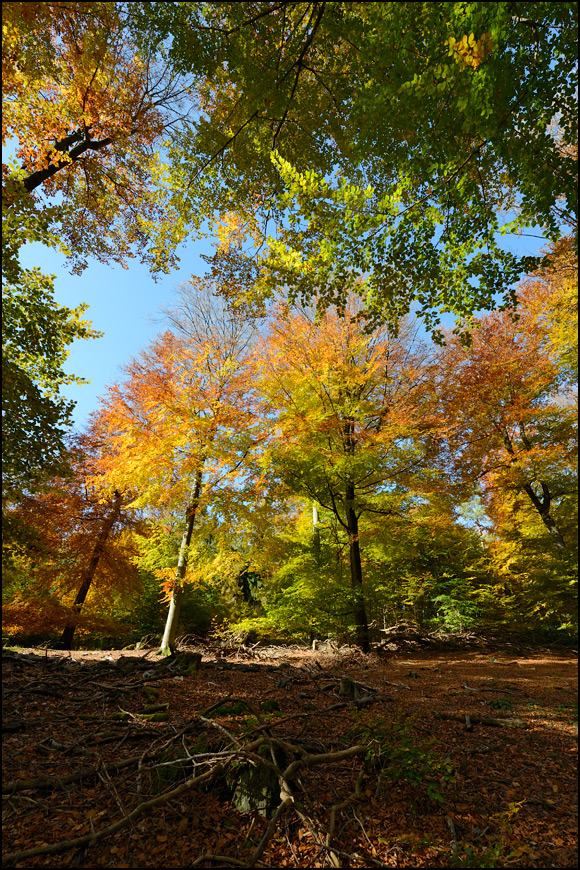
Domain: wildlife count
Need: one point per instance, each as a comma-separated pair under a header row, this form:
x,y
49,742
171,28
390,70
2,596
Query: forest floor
x,y
409,759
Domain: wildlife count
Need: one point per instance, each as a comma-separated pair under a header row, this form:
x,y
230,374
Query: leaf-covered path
x,y
412,759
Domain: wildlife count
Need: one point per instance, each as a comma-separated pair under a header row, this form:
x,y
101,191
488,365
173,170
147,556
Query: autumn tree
x,y
353,429
181,426
87,112
552,298
383,139
84,114
512,395
511,427
68,548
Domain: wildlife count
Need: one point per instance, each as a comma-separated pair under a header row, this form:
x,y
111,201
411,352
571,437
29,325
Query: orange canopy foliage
x,y
50,541
87,113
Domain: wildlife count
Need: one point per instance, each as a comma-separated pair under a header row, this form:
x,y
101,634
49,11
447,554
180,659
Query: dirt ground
x,y
468,759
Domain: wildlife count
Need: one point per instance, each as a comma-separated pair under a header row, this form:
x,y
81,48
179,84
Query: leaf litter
x,y
406,759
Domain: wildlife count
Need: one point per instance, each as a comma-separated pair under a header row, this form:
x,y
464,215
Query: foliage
x,y
513,429
84,114
398,756
203,600
537,583
362,160
352,427
50,540
87,113
36,332
515,434
184,408
385,139
419,567
178,434
552,297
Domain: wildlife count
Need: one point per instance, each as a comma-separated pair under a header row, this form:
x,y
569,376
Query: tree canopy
x,y
396,141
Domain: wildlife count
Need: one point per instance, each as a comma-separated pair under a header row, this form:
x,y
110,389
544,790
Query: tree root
x,y
294,757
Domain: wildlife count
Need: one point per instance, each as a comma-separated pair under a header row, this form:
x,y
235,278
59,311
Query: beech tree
x,y
510,425
353,425
180,428
84,114
87,112
72,542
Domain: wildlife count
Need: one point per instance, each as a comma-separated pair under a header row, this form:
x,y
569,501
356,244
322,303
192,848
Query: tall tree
x,y
84,113
90,570
181,426
68,545
510,425
353,430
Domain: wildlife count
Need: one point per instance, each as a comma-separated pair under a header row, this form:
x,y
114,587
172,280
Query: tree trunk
x,y
315,535
360,613
543,508
88,575
168,642
542,505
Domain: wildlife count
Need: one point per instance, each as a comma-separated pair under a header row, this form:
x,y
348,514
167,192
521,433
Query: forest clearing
x,y
427,786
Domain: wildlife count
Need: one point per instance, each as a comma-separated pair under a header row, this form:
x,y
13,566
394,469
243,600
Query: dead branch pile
x,y
264,770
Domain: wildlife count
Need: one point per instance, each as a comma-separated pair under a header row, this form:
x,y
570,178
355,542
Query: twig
x,y
269,831
65,845
221,728
487,689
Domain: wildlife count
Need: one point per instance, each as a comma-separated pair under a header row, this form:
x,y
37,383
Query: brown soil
x,y
437,791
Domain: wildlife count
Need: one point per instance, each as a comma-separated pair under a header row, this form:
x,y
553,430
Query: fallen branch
x,y
225,861
398,685
324,758
487,689
483,720
269,832
61,781
355,796
92,838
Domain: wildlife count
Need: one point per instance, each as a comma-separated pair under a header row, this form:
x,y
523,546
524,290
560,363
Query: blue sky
x,y
123,303
126,305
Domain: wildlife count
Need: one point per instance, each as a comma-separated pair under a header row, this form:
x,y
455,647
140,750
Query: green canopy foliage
x,y
396,140
36,333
